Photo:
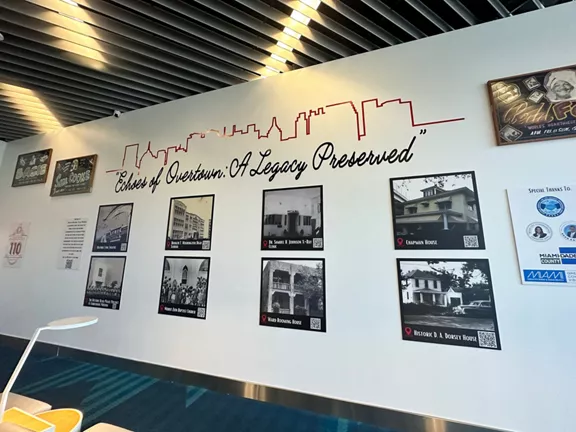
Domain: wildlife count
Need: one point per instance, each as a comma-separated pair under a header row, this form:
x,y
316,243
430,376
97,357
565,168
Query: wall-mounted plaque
x,y
534,107
32,168
73,176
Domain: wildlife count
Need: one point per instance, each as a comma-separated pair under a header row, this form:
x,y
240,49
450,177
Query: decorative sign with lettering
x,y
17,239
74,176
534,107
104,283
448,301
32,168
436,211
184,290
293,293
544,220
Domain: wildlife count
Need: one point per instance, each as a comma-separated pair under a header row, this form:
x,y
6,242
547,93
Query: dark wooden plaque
x,y
32,168
73,176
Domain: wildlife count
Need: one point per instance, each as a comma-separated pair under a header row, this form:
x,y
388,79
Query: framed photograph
x,y
436,211
32,168
74,176
184,287
293,219
190,223
104,283
448,301
293,293
113,228
534,107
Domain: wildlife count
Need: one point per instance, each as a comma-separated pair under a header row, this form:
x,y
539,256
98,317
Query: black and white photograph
x,y
293,293
113,228
32,168
448,301
104,284
190,223
437,211
184,289
292,219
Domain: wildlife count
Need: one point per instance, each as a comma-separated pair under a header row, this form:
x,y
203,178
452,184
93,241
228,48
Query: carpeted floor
x,y
145,404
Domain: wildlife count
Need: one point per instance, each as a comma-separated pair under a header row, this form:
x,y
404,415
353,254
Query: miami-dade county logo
x,y
568,230
550,258
568,255
538,231
550,206
555,276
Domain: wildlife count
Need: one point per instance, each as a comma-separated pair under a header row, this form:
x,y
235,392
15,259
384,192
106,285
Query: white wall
x,y
528,386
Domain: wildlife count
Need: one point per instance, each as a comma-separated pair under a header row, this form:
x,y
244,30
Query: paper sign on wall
x,y
17,239
70,253
544,219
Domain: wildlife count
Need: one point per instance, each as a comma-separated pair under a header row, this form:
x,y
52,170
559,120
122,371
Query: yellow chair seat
x,y
27,404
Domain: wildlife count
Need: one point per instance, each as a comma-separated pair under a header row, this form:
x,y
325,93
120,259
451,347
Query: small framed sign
x,y
73,176
32,168
534,107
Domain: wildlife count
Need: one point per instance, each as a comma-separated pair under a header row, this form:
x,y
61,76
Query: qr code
x,y
201,313
123,247
471,241
206,245
315,324
317,243
487,339
68,265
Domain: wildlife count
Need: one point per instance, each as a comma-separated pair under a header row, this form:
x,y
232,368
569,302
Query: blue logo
x,y
557,276
568,255
550,206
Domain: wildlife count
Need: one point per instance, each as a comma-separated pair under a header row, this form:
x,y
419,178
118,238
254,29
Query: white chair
x,y
105,427
27,404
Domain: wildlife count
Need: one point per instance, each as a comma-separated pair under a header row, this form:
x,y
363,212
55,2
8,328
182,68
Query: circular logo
x,y
568,231
538,231
550,206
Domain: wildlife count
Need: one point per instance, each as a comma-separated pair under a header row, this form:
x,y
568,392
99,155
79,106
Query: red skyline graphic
x,y
305,116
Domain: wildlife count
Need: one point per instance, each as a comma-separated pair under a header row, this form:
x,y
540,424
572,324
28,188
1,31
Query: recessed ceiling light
x,y
277,57
312,3
71,2
292,33
284,46
300,17
272,69
1,37
71,17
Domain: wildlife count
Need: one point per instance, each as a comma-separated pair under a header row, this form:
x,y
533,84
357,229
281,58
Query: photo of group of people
x,y
293,293
448,301
104,284
184,289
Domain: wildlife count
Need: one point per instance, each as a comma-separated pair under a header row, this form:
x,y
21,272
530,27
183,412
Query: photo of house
x,y
104,284
447,293
113,228
294,288
437,212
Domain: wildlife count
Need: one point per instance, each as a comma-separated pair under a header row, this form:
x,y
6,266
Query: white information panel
x,y
544,219
70,253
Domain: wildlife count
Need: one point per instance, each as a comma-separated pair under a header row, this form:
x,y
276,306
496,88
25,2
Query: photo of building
x,y
113,228
293,287
442,209
292,213
104,284
424,287
190,218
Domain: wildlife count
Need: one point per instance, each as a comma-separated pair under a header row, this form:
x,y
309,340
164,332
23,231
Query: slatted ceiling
x,y
63,64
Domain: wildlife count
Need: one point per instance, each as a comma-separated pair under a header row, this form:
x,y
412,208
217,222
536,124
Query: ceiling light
x,y
284,46
273,69
277,57
312,3
292,33
300,17
71,17
73,3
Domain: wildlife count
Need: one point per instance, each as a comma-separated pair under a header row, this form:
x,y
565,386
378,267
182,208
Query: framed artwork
x,y
105,281
448,301
436,211
32,168
113,228
535,106
293,219
184,287
293,293
74,176
190,223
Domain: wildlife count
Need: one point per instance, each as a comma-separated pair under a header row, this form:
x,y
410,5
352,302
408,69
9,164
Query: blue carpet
x,y
145,404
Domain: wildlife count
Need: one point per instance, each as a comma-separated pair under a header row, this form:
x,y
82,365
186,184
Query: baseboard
x,y
382,417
